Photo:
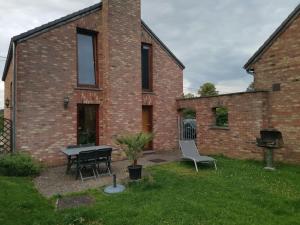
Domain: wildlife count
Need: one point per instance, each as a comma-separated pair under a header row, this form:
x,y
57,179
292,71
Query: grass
x,y
240,192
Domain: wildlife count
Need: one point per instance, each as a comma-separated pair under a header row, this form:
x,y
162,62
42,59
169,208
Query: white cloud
x,y
187,87
231,86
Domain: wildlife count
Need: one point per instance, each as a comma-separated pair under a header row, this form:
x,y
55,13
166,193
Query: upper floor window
x,y
146,67
86,57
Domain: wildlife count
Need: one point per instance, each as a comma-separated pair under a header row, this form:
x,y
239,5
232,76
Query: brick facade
x,y
47,73
280,64
167,83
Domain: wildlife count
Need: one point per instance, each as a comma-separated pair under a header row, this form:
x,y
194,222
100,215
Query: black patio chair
x,y
73,159
104,156
87,160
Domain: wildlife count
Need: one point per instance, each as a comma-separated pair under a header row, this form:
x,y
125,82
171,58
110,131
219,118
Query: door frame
x,y
97,122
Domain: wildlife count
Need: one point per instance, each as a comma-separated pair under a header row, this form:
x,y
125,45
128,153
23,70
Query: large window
x,y
147,67
86,58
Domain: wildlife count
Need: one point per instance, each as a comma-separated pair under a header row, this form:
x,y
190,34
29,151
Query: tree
x,y
189,95
188,113
251,87
208,89
221,117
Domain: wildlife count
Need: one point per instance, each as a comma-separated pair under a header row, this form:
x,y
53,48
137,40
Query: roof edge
x,y
42,28
283,26
8,61
67,18
59,21
182,66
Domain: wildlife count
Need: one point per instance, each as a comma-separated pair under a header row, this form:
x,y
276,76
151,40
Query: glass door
x,y
87,124
147,123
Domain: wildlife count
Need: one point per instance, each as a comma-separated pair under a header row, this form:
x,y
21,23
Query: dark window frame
x,y
150,69
94,35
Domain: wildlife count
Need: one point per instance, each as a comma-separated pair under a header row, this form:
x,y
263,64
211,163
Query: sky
x,y
213,38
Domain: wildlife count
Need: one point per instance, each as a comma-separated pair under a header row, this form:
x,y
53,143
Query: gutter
x,y
250,71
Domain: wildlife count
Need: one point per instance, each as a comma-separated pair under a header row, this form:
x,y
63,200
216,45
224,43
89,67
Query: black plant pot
x,y
135,172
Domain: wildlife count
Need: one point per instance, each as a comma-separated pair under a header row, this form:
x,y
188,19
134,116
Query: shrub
x,y
18,164
133,145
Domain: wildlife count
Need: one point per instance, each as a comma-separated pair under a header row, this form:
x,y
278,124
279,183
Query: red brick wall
x,y
281,64
246,117
47,72
122,76
167,86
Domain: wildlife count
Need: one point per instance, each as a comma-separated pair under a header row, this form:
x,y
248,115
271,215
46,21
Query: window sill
x,y
88,88
214,127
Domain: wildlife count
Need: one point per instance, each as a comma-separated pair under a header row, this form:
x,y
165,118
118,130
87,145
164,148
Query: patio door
x,y
147,123
87,124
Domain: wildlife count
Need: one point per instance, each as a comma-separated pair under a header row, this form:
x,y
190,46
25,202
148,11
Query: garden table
x,y
72,153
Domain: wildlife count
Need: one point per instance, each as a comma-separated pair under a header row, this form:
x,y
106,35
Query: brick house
x,y
88,77
276,69
275,103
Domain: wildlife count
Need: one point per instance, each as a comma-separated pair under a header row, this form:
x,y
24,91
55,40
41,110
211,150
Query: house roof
x,y
66,19
284,25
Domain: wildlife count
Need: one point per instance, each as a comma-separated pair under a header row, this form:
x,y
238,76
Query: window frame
x,y
150,69
94,35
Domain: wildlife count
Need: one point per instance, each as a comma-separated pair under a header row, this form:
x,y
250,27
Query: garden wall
x,y
247,115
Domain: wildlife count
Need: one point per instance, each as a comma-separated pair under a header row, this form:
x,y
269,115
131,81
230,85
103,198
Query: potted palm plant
x,y
133,145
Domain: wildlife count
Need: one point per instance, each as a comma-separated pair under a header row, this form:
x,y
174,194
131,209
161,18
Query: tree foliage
x,y
189,95
221,117
208,89
188,113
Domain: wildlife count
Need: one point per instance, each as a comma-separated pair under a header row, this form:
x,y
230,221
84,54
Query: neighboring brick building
x,y
276,68
274,104
78,80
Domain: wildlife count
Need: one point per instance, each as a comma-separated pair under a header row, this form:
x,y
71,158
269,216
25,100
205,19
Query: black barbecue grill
x,y
270,139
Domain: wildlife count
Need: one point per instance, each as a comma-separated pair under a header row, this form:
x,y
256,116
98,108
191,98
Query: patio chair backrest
x,y
88,156
188,148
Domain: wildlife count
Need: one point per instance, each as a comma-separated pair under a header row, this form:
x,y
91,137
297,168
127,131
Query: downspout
x,y
14,99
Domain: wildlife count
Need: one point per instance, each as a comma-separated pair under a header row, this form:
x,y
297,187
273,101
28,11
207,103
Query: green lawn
x,y
240,192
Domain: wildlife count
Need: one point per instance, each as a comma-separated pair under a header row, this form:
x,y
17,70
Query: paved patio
x,y
55,181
